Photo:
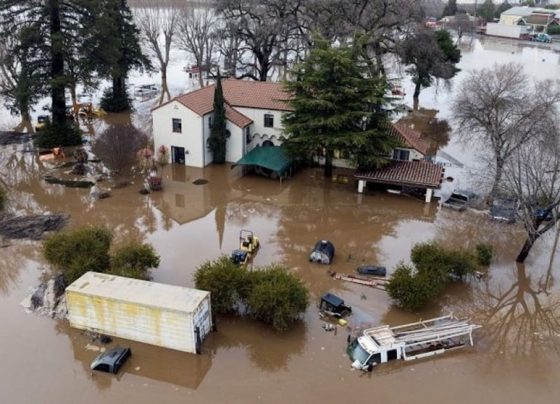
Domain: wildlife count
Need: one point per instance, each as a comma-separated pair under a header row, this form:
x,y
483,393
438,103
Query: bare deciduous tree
x,y
158,24
501,108
532,177
197,35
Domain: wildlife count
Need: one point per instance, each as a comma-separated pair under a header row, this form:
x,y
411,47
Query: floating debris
x,y
200,181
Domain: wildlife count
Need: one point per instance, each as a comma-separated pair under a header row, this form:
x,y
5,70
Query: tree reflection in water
x,y
520,320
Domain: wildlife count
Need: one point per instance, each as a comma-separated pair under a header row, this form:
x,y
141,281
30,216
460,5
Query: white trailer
x,y
506,31
165,315
410,341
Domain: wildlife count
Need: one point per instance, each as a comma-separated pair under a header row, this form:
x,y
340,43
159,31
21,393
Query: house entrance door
x,y
178,154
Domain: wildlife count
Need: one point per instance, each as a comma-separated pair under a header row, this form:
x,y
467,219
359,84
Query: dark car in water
x,y
504,210
374,270
112,360
322,253
459,200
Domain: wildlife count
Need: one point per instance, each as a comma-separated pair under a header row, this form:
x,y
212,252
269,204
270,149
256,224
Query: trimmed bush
x,y
484,254
134,260
554,30
412,290
78,251
412,286
87,249
56,135
276,297
270,294
224,280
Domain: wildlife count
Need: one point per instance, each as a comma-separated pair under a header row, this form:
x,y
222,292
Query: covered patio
x,y
418,174
271,161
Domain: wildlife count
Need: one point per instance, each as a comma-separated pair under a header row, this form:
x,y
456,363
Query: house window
x,y
210,122
248,135
177,125
268,121
399,154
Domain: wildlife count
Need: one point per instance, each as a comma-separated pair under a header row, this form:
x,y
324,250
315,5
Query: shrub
x,y
53,135
554,30
443,262
276,297
268,294
434,266
484,253
78,251
412,290
3,198
224,280
134,260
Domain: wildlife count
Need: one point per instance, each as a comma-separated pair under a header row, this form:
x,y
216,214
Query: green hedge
x,y
269,294
78,251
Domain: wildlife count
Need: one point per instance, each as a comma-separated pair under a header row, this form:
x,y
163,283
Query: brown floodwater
x,y
515,359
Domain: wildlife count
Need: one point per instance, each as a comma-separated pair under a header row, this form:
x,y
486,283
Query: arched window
x,y
268,143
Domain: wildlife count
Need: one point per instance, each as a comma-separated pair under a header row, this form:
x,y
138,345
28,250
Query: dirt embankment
x,y
32,227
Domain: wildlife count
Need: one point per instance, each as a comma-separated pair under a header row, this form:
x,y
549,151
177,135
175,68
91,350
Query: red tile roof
x,y
237,118
237,93
408,173
410,137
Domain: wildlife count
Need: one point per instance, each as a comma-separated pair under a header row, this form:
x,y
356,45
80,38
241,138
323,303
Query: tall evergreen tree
x,y
487,10
335,108
53,31
218,135
450,8
501,8
121,53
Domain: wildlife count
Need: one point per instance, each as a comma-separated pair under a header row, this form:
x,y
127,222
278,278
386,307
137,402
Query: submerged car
x,y
334,306
459,200
112,360
374,270
504,210
323,252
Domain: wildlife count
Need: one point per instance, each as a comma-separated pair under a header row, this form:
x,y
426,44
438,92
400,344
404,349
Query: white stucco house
x,y
254,118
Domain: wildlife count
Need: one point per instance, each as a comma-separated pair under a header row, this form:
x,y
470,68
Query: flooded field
x,y
516,358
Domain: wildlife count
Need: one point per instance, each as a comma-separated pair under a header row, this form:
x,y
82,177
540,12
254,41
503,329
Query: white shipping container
x,y
165,315
506,31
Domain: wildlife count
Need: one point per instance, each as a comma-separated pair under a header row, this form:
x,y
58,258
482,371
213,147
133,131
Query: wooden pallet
x,y
372,283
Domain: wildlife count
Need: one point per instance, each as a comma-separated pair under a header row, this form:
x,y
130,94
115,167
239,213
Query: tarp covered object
x,y
273,158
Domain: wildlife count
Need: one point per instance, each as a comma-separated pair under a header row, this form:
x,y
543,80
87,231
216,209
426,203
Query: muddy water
x,y
515,359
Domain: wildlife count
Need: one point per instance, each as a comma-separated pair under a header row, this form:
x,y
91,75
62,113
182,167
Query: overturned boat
x,y
409,341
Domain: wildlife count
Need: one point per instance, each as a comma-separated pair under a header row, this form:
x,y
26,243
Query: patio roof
x,y
270,157
419,174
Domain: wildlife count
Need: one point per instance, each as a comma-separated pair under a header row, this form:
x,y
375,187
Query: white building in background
x,y
254,118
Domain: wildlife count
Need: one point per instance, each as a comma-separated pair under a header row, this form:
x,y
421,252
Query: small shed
x,y
154,313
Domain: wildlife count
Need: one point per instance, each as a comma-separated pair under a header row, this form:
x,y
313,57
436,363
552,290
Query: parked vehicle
x,y
459,200
322,253
112,360
334,306
409,341
504,210
374,270
146,90
542,37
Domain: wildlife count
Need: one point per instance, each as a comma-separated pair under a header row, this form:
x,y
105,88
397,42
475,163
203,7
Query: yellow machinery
x,y
248,242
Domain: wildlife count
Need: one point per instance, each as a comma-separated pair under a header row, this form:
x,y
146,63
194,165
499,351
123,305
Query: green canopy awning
x,y
270,157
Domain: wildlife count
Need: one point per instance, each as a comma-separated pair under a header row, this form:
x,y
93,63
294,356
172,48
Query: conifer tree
x,y
218,139
121,51
337,108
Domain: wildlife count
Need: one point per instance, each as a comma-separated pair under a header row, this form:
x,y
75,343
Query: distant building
x,y
535,19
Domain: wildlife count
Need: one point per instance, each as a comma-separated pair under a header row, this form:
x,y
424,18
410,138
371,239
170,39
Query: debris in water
x,y
32,227
200,181
48,299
